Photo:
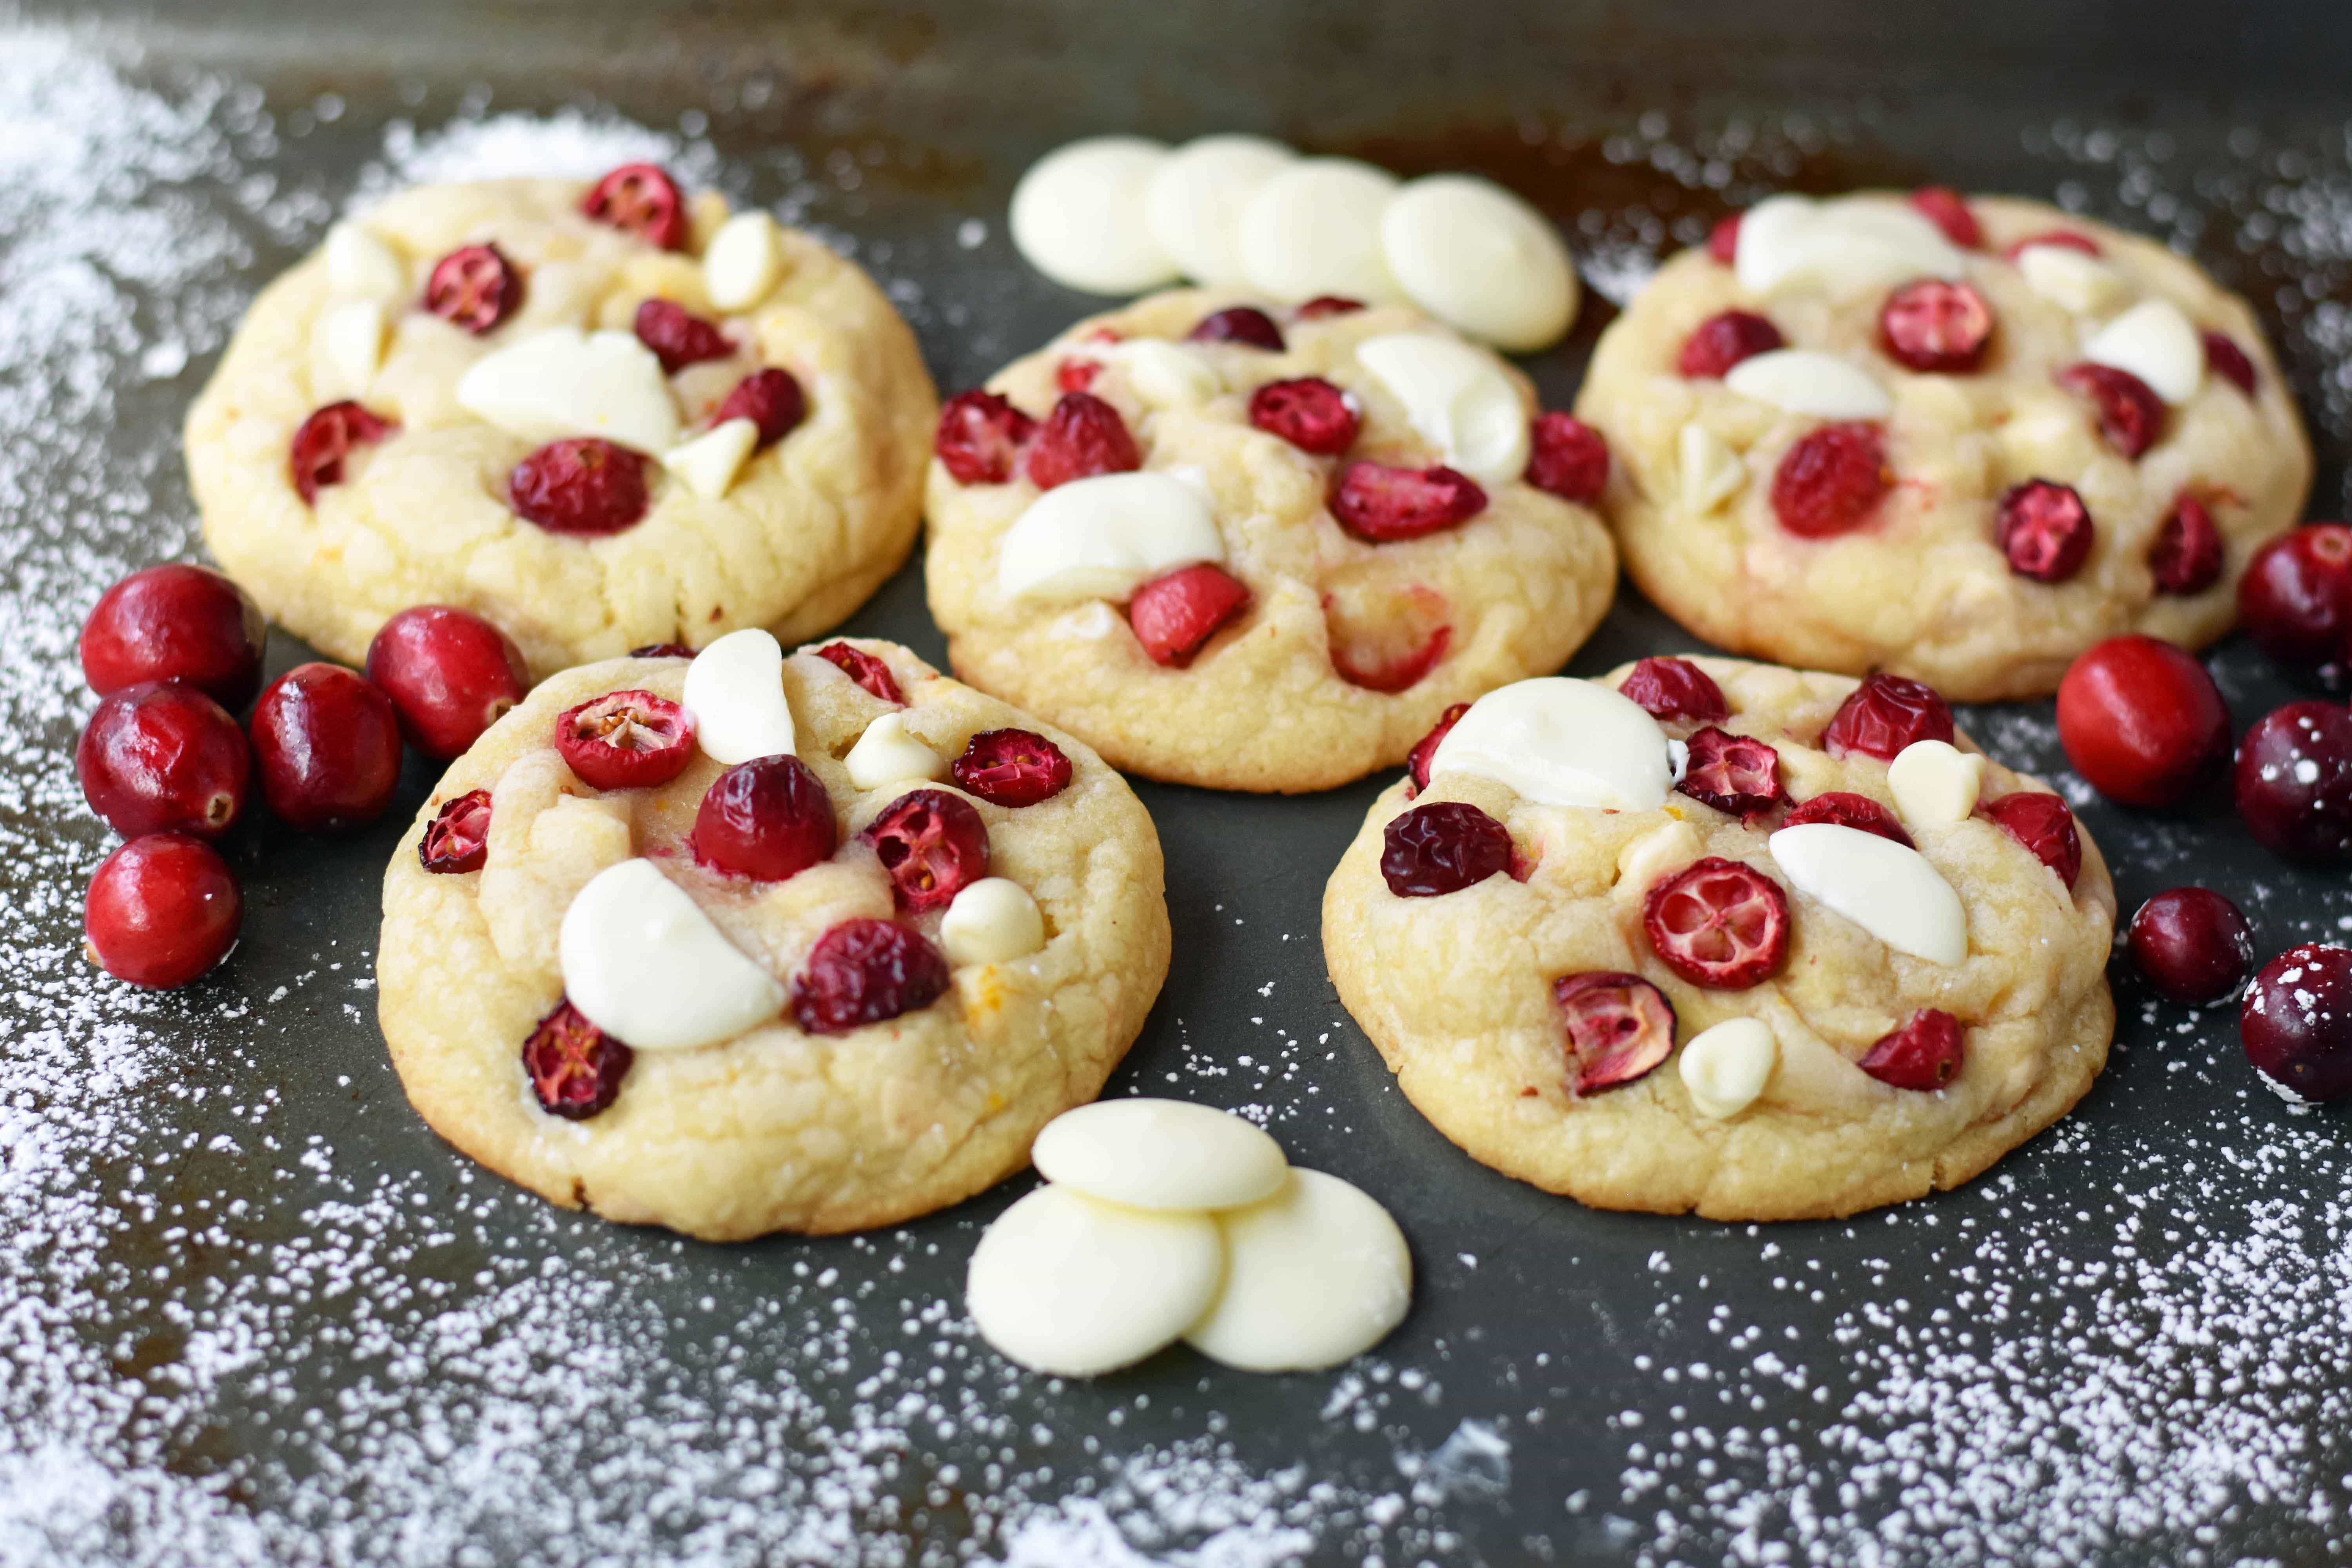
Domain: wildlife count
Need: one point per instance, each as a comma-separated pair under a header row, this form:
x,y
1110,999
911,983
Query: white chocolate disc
x,y
1845,245
1886,889
887,754
1314,228
644,964
1562,741
1315,1275
1933,782
1068,1284
992,920
1078,216
1804,382
1726,1067
708,464
2154,342
1194,203
563,382
1479,259
735,689
1106,536
1159,1154
362,267
743,261
2068,278
1457,398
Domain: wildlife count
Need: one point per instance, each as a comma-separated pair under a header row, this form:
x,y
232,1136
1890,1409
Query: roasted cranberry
x,y
1830,481
770,399
2042,823
457,839
2131,416
2187,555
866,669
1842,808
2295,598
1933,326
626,740
865,971
2065,238
1945,207
327,746
181,623
449,674
2142,721
2193,945
1384,504
678,337
575,1068
2044,530
1381,663
2294,781
161,910
1309,413
1670,687
768,819
1718,923
1620,1027
980,437
1884,714
1417,760
661,650
1723,239
1721,341
1324,305
1012,767
582,486
160,757
1567,458
1242,324
2229,360
1175,615
1734,773
933,844
315,456
1082,437
473,286
1922,1055
2295,1023
642,200
1442,847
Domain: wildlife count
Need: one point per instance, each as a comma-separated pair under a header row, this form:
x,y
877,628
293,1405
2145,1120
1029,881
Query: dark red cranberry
x,y
2186,556
2044,530
1242,324
678,337
2192,944
864,669
457,839
2142,721
1922,1055
1946,208
1884,714
865,971
1082,437
1723,239
1567,458
473,286
160,757
770,399
1721,341
1830,481
1417,761
1670,687
2294,781
2131,416
1842,808
161,910
934,845
2229,360
1935,327
450,675
575,1068
661,650
1718,923
1012,767
1734,773
327,746
1309,413
1324,305
315,456
1619,1027
581,485
641,200
626,740
1381,663
980,437
2042,823
1442,847
2295,599
1384,504
768,819
2065,238
183,623
2295,1023
1175,615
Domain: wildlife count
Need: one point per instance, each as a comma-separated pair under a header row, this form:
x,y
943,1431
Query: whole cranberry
x,y
450,674
1831,481
2295,1023
327,745
770,399
1842,809
1082,436
1382,504
1921,1055
2295,599
585,485
1012,767
678,337
1948,210
868,671
867,972
1670,687
2293,782
179,622
2142,721
2042,825
1242,324
161,910
768,819
1718,343
1619,1027
2193,945
1174,616
1567,458
1884,714
1442,847
160,757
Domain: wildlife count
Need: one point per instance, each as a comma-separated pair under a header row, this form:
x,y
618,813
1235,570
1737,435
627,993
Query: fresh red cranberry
x,y
2131,416
1082,437
2294,781
2044,530
1309,413
163,909
457,839
1946,208
661,650
768,819
1324,305
1417,760
933,844
1175,615
575,1068
2187,555
1567,458
1012,767
158,757
1670,687
315,456
2065,238
1718,923
1922,1055
980,437
1723,239
641,200
1076,375
2295,1023
473,286
1884,714
1721,341
678,337
1842,808
1380,664
626,740
1384,504
1242,324
183,623
2192,944
867,972
2295,598
1830,481
1935,327
450,675
1442,847
770,399
584,485
2229,360
327,746
1619,1027
2142,721
866,669
1734,773
2042,823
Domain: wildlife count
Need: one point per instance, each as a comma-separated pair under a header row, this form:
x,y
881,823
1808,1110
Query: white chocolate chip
x,y
1065,1284
1480,259
1562,741
1847,246
2068,278
1078,216
1457,398
1165,374
1935,781
2154,342
993,921
743,261
1726,1067
1194,203
362,267
887,754
1802,382
346,349
1314,228
1890,891
708,464
563,382
1106,536
1709,472
735,689
1158,1154
1316,1275
644,964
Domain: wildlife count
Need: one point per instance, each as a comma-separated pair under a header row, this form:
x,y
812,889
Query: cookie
x,y
1252,548
1687,940
601,417
1959,441
836,981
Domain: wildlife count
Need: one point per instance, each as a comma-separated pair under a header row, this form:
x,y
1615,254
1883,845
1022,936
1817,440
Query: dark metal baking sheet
x,y
251,1311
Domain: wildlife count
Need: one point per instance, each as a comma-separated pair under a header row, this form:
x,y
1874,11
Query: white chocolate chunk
x,y
708,464
735,689
1068,1284
644,964
1165,374
745,261
1935,781
1708,472
1659,852
1726,1067
992,920
1457,398
2154,342
1888,891
1846,246
887,754
1314,228
1562,741
346,349
1194,203
1078,216
1104,537
2068,278
563,382
1804,382
1480,259
1159,1154
1316,1275
362,267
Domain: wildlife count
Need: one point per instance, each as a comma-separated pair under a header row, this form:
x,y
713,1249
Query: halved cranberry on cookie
x,y
1012,767
315,456
867,972
769,819
1082,437
473,286
1734,773
457,839
677,336
1309,413
864,669
1830,481
584,485
1945,207
2131,416
1718,923
1174,616
626,740
1721,341
2228,361
1884,714
640,199
2043,823
934,845
1382,504
1933,326
980,437
2044,530
575,1068
1842,809
1670,687
1417,761
1922,1055
1619,1027
2186,556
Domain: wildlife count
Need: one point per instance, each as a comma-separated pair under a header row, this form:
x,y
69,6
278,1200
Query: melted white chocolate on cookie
x,y
644,964
1889,890
1562,741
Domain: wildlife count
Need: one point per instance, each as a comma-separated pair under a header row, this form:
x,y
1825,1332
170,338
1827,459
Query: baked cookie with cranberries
x,y
1725,938
602,415
753,943
1961,440
1252,547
